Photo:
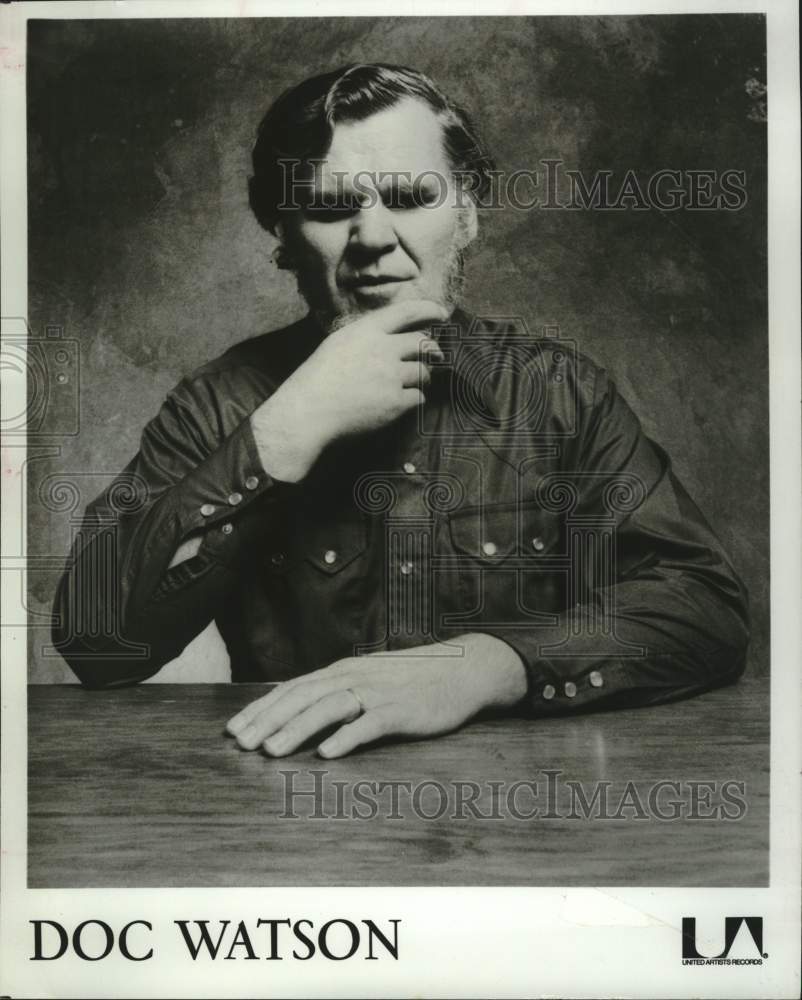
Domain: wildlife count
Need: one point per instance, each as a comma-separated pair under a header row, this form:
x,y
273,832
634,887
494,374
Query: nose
x,y
372,229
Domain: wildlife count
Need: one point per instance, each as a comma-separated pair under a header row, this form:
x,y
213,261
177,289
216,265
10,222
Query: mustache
x,y
451,290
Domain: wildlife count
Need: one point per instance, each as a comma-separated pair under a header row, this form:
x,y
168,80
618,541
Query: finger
x,y
246,715
339,706
278,713
430,349
411,398
413,373
416,346
368,727
409,313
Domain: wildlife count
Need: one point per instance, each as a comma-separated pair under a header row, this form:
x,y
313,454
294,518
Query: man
x,y
406,516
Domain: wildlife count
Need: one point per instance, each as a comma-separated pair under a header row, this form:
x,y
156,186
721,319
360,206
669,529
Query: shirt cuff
x,y
567,673
223,485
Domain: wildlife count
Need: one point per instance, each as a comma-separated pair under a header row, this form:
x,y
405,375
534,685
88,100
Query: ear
x,y
469,224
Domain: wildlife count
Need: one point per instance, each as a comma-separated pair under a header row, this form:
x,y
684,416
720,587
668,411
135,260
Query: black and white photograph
x,y
401,506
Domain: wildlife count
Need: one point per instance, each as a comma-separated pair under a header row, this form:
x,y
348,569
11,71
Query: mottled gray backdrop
x,y
142,247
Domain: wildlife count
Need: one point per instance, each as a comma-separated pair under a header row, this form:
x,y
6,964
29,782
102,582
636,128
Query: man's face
x,y
391,225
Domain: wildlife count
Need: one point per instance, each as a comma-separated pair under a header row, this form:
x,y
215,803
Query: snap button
x,y
251,483
227,529
570,689
406,568
207,509
330,557
234,499
538,544
277,558
596,679
409,468
489,548
549,692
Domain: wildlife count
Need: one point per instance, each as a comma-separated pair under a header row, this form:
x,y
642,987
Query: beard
x,y
449,293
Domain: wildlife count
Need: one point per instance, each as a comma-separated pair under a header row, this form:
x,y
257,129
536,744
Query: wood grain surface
x,y
140,787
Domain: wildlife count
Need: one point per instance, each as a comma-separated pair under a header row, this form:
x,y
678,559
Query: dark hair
x,y
299,126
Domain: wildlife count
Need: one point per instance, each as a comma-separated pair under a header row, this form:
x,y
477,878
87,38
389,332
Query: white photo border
x,y
581,942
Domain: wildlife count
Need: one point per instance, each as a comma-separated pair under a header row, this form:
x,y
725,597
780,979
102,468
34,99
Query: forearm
x,y
127,604
131,646
654,641
120,614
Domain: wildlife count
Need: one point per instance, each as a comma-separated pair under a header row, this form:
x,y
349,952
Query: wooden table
x,y
140,787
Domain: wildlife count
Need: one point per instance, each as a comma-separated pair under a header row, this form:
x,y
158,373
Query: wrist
x,y
502,668
286,438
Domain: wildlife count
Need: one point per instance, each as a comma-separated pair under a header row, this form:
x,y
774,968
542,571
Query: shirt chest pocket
x,y
509,559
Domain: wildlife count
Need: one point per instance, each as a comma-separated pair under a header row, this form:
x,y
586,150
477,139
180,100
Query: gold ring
x,y
359,702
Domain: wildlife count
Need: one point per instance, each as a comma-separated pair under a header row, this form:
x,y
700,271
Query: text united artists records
x,y
400,501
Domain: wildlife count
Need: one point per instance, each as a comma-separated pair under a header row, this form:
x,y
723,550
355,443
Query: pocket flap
x,y
493,532
332,545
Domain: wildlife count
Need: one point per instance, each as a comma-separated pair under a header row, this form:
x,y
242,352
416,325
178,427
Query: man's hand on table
x,y
412,693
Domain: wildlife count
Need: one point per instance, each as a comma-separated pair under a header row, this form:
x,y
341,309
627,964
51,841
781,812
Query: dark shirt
x,y
522,500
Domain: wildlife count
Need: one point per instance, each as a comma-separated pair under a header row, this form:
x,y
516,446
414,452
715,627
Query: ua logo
x,y
731,927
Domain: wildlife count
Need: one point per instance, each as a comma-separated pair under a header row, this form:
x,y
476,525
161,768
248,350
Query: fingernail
x,y
249,737
275,745
328,748
236,725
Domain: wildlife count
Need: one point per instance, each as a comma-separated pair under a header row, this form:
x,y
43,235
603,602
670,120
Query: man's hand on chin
x,y
411,693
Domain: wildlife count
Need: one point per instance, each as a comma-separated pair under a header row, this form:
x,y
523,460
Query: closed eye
x,y
331,210
408,197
